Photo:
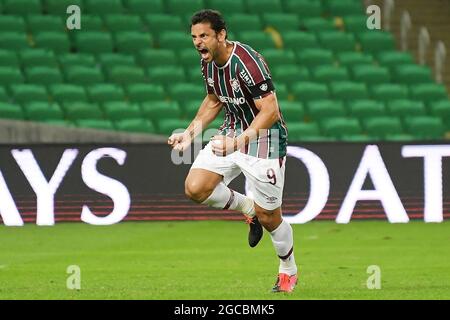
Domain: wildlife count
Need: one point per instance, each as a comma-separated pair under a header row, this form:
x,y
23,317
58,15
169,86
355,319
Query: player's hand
x,y
179,141
223,145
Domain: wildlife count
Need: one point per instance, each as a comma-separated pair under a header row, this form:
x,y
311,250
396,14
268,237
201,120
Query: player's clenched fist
x,y
179,141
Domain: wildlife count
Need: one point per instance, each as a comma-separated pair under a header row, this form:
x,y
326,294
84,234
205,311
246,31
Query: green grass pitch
x,y
211,260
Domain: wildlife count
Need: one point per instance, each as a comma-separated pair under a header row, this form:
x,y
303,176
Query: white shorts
x,y
265,177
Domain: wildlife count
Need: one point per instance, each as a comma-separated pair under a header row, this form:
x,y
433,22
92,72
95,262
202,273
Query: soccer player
x,y
252,139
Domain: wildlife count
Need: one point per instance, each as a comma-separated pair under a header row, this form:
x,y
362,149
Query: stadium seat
x,y
299,40
403,137
11,111
355,23
337,41
158,110
44,75
8,58
90,23
94,42
376,41
143,7
327,74
340,126
158,57
37,58
22,7
144,92
62,93
315,57
393,59
364,109
425,127
281,21
56,41
13,41
303,8
3,96
412,74
10,76
292,111
79,59
190,108
228,7
131,41
166,75
258,40
100,124
404,108
181,7
264,6
135,125
347,90
350,59
103,7
158,23
12,24
25,93
244,22
383,126
45,23
389,91
317,24
81,111
441,109
122,23
188,58
186,91
281,91
344,7
371,74
299,131
101,93
84,75
276,57
290,74
428,92
111,60
126,75
59,7
322,109
121,110
175,40
357,138
168,126
307,91
43,111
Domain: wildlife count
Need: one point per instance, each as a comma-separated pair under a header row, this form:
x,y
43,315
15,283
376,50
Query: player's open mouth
x,y
204,53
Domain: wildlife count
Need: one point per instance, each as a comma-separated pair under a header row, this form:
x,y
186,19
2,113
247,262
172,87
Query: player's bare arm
x,y
267,116
208,111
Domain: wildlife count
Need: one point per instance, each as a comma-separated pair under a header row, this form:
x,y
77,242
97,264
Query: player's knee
x,y
268,219
195,191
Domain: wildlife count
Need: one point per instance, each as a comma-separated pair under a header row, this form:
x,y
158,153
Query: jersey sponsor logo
x,y
263,87
235,84
240,100
210,82
244,75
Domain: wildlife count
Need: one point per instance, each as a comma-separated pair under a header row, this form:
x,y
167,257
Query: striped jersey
x,y
243,78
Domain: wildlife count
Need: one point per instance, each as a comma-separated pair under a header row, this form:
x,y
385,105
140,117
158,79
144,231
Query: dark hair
x,y
214,17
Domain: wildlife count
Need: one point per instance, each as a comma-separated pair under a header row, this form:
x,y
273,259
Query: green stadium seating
x,y
103,7
45,23
10,76
350,59
244,22
126,75
25,93
393,59
143,7
100,93
357,138
258,40
428,92
82,110
383,126
13,41
425,127
130,42
158,110
63,93
189,57
322,109
100,124
327,74
337,41
12,24
228,7
412,74
94,42
292,111
90,23
376,41
111,60
264,6
404,137
355,23
364,109
59,7
43,111
299,131
158,57
347,90
181,7
56,41
404,108
8,58
175,40
389,91
186,91
371,74
190,108
121,23
121,110
11,111
37,58
299,40
345,7
79,59
290,74
307,91
276,57
44,75
340,126
168,126
135,125
303,8
158,23
441,109
166,75
281,91
143,92
84,75
3,96
22,7
317,24
281,21
315,57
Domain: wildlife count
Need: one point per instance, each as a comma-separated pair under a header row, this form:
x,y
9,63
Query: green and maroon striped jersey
x,y
242,79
